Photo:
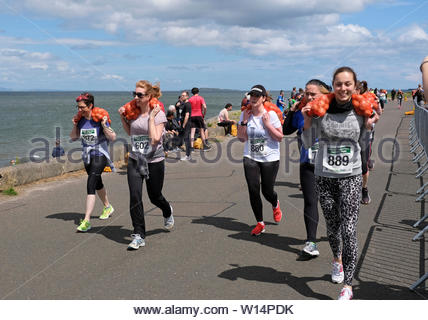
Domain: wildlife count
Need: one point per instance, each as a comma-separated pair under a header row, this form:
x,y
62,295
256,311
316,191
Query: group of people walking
x,y
330,161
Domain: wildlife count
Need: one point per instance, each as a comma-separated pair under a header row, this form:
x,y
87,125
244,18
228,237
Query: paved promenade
x,y
210,253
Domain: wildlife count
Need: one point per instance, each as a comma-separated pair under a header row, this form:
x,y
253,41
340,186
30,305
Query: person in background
x,y
224,121
280,101
245,101
261,131
199,109
399,97
293,93
95,135
186,113
58,151
393,93
172,128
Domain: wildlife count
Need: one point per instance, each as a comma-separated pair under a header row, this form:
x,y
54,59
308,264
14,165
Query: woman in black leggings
x,y
94,134
146,160
294,121
261,131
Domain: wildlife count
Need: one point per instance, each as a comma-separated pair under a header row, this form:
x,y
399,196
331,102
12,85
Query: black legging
x,y
310,196
154,190
266,172
185,135
94,170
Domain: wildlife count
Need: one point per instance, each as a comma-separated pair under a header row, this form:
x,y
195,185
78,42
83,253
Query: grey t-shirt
x,y
139,132
341,137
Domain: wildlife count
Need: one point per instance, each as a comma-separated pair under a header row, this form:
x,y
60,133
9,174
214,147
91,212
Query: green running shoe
x,y
107,211
84,226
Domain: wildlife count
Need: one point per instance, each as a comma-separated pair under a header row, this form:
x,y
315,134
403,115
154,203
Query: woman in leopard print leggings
x,y
340,132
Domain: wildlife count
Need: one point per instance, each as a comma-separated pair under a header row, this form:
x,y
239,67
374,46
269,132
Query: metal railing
x,y
418,136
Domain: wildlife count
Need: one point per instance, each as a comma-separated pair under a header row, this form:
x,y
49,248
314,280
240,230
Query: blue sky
x,y
109,45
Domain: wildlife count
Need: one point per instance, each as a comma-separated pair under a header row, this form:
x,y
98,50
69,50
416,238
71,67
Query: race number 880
x,y
257,148
338,160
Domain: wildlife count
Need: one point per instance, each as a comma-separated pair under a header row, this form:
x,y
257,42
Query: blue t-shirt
x,y
280,106
58,152
91,133
298,122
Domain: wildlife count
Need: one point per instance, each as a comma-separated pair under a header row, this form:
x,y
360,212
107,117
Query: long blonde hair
x,y
153,90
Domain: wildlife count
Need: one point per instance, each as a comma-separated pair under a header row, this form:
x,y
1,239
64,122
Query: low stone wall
x,y
31,171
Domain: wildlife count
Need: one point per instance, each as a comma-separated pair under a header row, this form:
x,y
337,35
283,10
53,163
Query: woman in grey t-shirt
x,y
340,133
146,159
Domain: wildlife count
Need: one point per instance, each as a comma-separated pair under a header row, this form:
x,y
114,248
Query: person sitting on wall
x,y
58,151
224,121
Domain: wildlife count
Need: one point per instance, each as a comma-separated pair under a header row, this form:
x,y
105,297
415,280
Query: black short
x,y
197,122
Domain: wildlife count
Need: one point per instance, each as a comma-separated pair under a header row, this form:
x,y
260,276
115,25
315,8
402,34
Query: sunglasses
x,y
139,94
81,107
255,94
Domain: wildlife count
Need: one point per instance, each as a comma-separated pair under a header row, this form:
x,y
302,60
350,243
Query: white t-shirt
x,y
260,145
222,115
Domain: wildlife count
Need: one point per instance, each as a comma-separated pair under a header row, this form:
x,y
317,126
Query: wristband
x,y
243,124
420,68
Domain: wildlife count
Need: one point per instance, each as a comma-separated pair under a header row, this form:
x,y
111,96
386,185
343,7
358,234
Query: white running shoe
x,y
136,242
337,274
345,294
169,222
311,249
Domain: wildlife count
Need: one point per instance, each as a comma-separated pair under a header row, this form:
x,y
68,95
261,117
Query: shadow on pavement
x,y
268,239
370,290
118,234
270,275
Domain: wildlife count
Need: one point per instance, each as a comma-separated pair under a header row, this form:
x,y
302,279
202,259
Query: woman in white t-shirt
x,y
262,133
146,159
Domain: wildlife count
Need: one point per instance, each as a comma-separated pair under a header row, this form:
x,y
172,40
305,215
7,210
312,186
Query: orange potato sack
x,y
320,105
269,106
97,115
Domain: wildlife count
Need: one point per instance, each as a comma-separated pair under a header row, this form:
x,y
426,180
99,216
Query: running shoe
x,y
186,158
107,211
136,242
277,213
337,274
206,148
345,294
84,226
365,199
260,228
311,249
169,222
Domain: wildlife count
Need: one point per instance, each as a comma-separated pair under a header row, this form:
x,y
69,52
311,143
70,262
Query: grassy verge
x,y
10,192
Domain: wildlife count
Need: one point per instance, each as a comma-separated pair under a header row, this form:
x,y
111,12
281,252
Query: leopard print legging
x,y
340,202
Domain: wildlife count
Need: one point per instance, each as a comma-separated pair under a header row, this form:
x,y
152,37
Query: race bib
x,y
89,136
140,144
258,146
312,152
338,159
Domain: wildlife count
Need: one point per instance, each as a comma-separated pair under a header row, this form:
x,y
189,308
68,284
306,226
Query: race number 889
x,y
338,160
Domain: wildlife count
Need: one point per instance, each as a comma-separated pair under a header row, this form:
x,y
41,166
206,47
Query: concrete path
x,y
210,253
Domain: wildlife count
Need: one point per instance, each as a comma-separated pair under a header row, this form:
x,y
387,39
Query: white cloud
x,y
112,77
413,34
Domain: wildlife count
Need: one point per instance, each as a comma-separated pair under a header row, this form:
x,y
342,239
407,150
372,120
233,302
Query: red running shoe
x,y
277,213
260,228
